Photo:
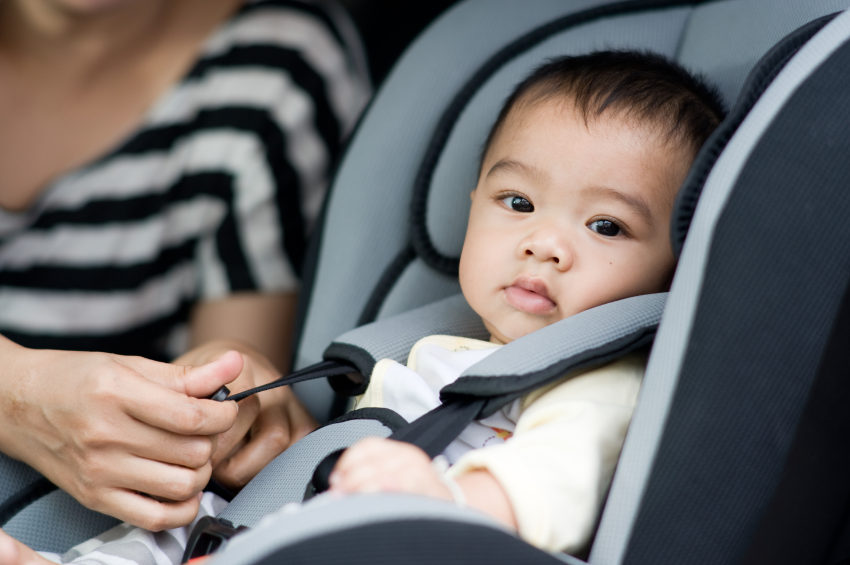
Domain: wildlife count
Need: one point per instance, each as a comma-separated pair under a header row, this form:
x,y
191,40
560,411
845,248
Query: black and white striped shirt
x,y
210,196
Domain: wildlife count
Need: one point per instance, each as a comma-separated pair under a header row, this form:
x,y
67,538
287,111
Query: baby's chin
x,y
503,337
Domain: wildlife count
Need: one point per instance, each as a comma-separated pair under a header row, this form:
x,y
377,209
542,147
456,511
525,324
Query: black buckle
x,y
208,536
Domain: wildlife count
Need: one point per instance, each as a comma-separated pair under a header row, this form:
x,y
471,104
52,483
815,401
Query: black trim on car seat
x,y
14,504
382,288
757,82
389,418
419,231
353,355
412,541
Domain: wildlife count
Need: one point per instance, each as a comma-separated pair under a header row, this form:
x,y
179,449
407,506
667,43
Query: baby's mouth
x,y
530,296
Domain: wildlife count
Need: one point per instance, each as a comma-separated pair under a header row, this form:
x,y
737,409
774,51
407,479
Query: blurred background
x,y
388,26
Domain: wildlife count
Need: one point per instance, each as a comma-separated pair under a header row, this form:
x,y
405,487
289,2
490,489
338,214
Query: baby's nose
x,y
548,245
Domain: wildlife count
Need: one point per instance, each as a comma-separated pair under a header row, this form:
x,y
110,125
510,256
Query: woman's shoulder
x,y
319,29
292,54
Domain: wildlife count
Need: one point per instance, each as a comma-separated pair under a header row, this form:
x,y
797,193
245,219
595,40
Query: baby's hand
x,y
383,465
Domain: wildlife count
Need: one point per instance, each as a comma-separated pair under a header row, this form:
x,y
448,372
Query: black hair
x,y
642,85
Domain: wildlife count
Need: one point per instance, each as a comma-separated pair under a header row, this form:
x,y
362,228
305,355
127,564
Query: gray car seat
x,y
739,440
698,471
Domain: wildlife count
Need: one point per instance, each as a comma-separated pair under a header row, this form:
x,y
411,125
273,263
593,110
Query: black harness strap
x,y
434,431
320,370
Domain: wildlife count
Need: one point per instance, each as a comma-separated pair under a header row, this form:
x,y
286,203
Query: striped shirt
x,y
211,195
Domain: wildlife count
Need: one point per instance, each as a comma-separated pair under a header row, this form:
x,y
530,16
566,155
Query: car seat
x,y
723,428
742,395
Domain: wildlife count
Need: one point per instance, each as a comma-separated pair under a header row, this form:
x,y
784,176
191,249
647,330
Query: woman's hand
x,y
126,436
260,327
13,552
268,422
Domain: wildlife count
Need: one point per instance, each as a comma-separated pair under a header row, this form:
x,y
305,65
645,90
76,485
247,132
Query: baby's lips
x,y
529,301
534,285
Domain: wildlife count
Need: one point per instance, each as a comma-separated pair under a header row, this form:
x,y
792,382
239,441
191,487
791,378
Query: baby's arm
x,y
547,482
557,467
375,464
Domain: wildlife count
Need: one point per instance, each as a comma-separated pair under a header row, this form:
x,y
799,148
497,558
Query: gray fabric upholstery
x,y
14,476
56,522
285,479
586,331
35,523
392,338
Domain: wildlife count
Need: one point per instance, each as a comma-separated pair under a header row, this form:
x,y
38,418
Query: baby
x,y
572,210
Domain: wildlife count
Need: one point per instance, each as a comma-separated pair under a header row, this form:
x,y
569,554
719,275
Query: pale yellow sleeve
x,y
373,397
557,467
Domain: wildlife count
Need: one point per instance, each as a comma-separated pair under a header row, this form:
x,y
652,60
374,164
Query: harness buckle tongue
x,y
208,536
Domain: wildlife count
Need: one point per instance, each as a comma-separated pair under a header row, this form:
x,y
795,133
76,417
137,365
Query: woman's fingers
x,y
13,552
279,421
151,513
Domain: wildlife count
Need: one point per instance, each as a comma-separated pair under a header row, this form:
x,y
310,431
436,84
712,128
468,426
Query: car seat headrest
x,y
758,80
448,170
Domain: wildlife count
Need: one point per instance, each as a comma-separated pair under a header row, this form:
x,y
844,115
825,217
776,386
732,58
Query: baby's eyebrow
x,y
634,202
512,165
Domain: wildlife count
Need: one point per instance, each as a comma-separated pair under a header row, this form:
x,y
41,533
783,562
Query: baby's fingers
x,y
375,464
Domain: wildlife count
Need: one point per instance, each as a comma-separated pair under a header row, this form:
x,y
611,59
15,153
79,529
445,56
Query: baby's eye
x,y
518,203
607,228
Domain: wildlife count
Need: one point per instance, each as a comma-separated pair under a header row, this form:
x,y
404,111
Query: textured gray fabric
x,y
664,366
771,294
430,286
392,338
725,39
285,479
35,524
14,476
588,330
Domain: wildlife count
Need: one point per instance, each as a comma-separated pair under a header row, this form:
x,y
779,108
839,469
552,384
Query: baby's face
x,y
566,217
